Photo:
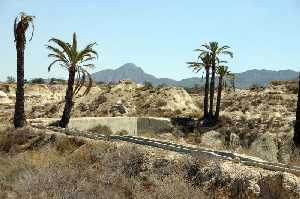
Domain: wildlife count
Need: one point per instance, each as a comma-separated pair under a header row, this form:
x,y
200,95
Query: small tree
x,y
148,85
75,62
10,79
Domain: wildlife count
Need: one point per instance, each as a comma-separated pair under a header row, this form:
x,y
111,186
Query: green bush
x,y
148,85
37,81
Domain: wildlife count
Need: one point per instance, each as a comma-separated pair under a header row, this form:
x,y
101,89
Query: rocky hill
x,y
243,80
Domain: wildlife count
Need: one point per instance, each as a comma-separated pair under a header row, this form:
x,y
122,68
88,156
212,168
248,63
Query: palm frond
x,y
228,53
65,46
90,83
207,46
15,28
87,59
57,51
32,25
55,61
80,82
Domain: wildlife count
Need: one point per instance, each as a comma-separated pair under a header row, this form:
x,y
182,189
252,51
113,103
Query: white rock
x,y
4,99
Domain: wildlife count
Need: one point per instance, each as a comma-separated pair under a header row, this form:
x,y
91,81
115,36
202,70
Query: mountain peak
x,y
129,66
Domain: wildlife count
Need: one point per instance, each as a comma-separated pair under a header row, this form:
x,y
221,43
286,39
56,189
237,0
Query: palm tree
x,y
21,25
75,62
297,123
197,66
215,51
232,79
223,72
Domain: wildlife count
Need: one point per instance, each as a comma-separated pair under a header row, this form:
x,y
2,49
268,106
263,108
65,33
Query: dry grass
x,y
71,168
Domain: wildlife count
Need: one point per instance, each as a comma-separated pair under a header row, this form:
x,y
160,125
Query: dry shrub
x,y
52,110
174,186
193,138
101,129
147,133
58,181
205,173
161,102
178,112
68,169
290,85
128,160
82,107
293,87
63,182
122,132
11,168
65,144
97,102
256,87
13,137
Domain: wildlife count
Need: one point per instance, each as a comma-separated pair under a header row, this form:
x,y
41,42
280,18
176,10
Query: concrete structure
x,y
133,125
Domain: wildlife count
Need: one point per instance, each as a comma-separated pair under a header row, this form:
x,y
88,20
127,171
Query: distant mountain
x,y
243,80
263,77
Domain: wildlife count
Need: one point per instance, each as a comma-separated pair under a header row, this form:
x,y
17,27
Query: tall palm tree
x,y
215,51
21,24
223,72
297,123
75,62
198,66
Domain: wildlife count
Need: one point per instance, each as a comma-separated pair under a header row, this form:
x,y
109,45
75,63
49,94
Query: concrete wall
x,y
114,123
133,125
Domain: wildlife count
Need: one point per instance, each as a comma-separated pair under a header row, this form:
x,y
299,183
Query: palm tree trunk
x,y
68,100
220,88
19,115
206,93
297,123
212,88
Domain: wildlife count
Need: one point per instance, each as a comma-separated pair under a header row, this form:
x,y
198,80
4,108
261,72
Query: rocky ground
x,y
258,121
123,99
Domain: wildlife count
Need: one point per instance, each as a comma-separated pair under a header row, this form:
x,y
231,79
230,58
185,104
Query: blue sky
x,y
157,35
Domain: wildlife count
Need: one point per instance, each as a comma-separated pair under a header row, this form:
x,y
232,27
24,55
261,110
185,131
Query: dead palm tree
x,y
223,72
21,25
75,62
297,123
215,51
198,66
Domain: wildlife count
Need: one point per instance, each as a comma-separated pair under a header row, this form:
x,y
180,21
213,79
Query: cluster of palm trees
x,y
209,60
67,55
